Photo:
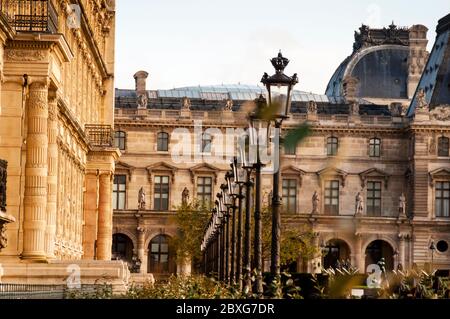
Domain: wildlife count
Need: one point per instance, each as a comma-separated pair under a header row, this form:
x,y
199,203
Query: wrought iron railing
x,y
30,15
3,177
26,291
99,135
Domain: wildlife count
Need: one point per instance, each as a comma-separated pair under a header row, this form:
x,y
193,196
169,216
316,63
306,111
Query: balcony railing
x,y
3,176
99,135
30,15
27,291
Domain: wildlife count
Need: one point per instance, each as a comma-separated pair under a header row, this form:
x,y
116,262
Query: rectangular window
x,y
331,206
442,199
290,195
204,190
163,142
161,193
332,146
375,147
119,191
374,198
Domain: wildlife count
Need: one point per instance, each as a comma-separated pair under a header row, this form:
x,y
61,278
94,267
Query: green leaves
x,y
296,135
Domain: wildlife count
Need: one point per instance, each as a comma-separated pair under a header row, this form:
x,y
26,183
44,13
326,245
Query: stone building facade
x,y
369,147
56,119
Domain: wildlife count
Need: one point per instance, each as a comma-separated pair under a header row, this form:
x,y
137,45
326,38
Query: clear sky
x,y
193,42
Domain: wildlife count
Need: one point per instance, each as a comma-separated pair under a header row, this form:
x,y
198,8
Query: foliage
x,y
415,284
103,291
295,242
191,219
184,287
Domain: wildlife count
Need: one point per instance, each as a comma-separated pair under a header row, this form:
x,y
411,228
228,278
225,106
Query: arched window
x,y
160,257
119,140
122,248
206,143
375,147
332,146
163,142
443,146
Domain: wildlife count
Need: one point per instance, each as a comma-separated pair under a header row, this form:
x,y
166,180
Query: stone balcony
x,y
30,15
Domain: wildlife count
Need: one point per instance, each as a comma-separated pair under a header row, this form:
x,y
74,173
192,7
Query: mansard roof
x,y
435,80
212,98
379,61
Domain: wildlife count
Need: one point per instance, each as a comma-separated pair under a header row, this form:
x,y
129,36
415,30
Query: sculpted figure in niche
x,y
185,196
359,204
142,101
141,198
315,203
402,206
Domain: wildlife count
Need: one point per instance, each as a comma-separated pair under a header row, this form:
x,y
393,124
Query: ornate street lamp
x,y
279,87
239,181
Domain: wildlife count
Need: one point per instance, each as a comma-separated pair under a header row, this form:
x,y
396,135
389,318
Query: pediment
x,y
204,168
333,172
161,166
292,170
121,167
374,173
440,173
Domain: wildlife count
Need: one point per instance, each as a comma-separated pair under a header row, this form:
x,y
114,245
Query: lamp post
x,y
239,174
279,87
232,193
432,248
227,205
257,125
245,175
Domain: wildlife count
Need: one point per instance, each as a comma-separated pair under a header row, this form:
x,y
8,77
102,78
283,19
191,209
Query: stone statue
x,y
312,108
3,238
228,106
141,198
185,196
422,100
359,208
186,104
142,101
402,206
354,109
315,203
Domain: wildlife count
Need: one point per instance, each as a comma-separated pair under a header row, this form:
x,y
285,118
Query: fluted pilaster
x,y
52,179
140,247
105,218
36,171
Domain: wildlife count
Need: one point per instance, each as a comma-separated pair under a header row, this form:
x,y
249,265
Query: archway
x,y
161,258
335,253
122,248
380,249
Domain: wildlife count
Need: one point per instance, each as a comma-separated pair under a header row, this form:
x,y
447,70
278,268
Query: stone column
x,y
402,251
359,261
90,215
36,171
105,218
52,179
141,248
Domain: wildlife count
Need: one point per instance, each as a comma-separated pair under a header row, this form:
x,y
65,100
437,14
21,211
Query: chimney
x,y
418,56
141,79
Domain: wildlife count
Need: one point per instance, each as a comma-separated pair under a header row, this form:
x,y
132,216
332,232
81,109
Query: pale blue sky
x,y
192,42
